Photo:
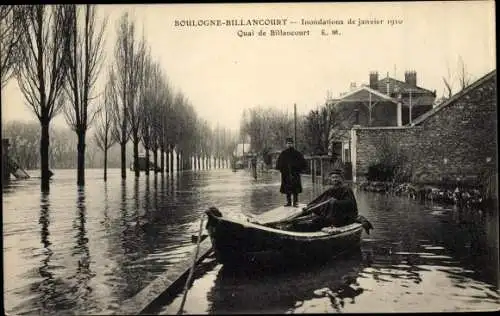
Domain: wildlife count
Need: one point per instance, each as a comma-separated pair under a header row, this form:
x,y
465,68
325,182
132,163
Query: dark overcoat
x,y
291,163
342,211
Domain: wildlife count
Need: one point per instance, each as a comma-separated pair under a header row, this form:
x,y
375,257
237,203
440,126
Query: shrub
x,y
392,164
380,172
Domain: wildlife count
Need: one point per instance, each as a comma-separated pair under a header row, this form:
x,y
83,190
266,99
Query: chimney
x,y
411,78
374,80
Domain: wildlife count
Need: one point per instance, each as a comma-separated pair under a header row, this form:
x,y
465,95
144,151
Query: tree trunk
x,y
136,155
105,165
147,160
155,159
162,159
81,158
171,155
167,161
123,150
44,156
178,161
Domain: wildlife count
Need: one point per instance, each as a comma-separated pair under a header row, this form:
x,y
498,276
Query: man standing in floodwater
x,y
253,162
291,163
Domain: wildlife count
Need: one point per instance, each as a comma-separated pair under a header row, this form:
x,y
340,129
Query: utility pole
x,y
410,107
295,124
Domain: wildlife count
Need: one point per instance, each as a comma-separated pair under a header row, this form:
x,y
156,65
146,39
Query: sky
x,y
222,73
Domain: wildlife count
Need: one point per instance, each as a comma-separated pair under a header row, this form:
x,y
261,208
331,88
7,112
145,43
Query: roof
x,y
455,97
418,100
362,94
396,85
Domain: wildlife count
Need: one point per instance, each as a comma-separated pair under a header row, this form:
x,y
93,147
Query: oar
x,y
305,211
192,267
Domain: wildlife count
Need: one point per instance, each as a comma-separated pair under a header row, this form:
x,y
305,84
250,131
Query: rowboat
x,y
272,237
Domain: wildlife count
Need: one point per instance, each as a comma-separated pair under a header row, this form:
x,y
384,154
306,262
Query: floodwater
x,y
83,251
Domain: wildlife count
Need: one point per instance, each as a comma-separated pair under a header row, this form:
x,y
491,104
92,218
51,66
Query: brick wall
x,y
457,140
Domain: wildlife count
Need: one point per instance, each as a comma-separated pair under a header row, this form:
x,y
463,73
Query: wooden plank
x,y
162,284
277,214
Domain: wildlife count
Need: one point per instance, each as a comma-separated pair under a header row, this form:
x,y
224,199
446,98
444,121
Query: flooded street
x,y
84,251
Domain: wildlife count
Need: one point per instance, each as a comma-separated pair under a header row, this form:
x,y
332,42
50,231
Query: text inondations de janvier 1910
x,y
286,27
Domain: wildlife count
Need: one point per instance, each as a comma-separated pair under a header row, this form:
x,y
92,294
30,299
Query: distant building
x,y
241,155
242,149
377,102
382,102
455,141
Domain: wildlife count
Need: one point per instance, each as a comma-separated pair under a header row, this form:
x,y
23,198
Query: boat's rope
x,y
188,281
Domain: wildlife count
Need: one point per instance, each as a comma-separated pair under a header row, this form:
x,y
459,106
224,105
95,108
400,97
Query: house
x,y
382,103
241,150
454,141
241,155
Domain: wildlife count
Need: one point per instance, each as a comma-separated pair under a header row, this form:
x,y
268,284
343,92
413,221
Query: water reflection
x,y
418,258
285,291
46,286
81,250
84,251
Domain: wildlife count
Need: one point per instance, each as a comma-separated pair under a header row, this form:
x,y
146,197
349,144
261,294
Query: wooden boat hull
x,y
237,242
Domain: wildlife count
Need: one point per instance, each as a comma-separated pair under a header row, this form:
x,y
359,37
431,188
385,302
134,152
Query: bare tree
x,y
136,89
124,88
102,135
120,129
84,63
204,144
323,126
165,125
187,140
147,102
162,100
42,68
11,19
448,82
266,127
464,77
176,127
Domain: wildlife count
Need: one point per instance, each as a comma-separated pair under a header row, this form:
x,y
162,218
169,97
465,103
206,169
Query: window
x,y
347,155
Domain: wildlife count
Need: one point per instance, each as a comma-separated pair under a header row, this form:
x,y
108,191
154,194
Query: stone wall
x,y
456,140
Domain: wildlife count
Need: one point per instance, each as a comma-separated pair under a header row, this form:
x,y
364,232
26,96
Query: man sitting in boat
x,y
341,210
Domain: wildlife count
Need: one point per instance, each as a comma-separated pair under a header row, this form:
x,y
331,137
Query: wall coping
x,y
386,127
456,97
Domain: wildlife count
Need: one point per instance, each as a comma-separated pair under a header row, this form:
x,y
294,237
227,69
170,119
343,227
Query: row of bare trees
x,y
24,139
140,105
267,129
56,54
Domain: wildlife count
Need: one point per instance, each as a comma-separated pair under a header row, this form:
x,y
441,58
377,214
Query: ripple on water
x,y
85,252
